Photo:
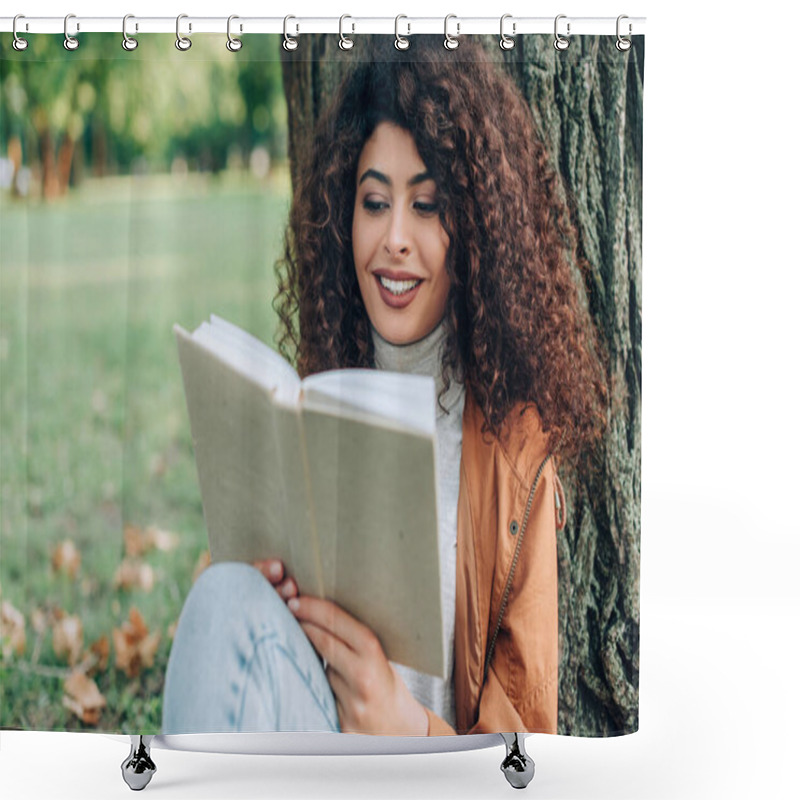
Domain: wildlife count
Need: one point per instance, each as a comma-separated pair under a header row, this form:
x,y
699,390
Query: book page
x,y
374,494
248,456
402,400
251,357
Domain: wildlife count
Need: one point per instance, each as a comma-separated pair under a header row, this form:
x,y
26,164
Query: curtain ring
x,y
18,43
506,42
289,43
560,42
182,42
233,44
70,43
400,42
344,42
623,43
451,42
128,43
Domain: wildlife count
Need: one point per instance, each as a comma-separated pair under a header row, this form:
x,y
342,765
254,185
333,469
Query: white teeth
x,y
397,287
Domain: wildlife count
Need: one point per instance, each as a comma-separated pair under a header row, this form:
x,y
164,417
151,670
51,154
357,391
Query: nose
x,y
398,234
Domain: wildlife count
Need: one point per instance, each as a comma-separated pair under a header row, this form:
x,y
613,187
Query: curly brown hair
x,y
516,329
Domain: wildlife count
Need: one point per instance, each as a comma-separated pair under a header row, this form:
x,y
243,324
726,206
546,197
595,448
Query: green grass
x,y
93,421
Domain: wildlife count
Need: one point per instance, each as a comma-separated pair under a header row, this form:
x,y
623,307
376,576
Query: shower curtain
x,y
152,200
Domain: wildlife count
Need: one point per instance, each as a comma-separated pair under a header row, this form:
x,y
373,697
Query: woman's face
x,y
399,244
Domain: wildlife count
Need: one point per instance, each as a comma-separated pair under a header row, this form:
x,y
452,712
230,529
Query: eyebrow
x,y
379,176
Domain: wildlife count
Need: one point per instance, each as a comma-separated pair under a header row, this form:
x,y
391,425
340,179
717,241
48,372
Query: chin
x,y
401,335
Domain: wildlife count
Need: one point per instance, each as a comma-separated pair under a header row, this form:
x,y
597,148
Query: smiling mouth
x,y
398,288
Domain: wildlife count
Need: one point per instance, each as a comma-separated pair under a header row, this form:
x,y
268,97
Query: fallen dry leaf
x,y
161,539
12,630
68,638
66,558
40,620
202,563
83,698
101,649
135,541
138,541
95,659
134,574
134,646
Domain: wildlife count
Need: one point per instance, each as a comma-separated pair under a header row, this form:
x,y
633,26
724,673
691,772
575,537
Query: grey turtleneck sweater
x,y
425,358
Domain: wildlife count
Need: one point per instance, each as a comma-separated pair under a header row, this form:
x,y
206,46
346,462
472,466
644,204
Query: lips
x,y
397,274
397,289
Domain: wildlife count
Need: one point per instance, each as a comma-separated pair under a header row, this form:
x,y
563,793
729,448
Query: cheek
x,y
363,244
440,244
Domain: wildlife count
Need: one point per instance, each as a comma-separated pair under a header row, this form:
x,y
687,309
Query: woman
x,y
426,235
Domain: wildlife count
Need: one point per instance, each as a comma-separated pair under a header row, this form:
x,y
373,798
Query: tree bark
x,y
310,77
64,162
587,107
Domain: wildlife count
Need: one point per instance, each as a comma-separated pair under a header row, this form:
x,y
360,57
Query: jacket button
x,y
514,527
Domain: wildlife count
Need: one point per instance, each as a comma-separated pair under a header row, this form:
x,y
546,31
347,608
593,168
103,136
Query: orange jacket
x,y
520,690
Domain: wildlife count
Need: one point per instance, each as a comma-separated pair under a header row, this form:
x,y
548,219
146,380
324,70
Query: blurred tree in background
x,y
101,110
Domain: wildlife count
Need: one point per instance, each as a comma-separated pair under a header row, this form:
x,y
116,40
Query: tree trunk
x,y
587,107
310,78
50,186
587,102
64,162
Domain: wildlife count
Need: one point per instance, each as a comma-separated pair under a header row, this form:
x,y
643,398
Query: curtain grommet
x,y
507,42
401,42
450,41
70,42
128,42
560,42
183,43
233,44
289,43
19,44
623,43
345,43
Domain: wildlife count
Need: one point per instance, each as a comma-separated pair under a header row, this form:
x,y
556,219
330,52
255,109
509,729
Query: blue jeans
x,y
241,662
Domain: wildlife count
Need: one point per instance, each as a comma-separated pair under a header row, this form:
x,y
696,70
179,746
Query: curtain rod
x,y
297,26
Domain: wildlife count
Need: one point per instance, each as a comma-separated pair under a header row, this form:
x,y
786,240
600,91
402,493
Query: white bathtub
x,y
138,768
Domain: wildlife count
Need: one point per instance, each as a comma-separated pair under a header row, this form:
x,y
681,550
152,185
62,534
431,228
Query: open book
x,y
334,474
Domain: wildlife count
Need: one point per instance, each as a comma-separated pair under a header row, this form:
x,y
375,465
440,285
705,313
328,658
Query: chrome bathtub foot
x,y
518,766
138,768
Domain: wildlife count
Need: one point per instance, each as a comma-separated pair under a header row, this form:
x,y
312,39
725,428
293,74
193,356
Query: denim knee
x,y
237,649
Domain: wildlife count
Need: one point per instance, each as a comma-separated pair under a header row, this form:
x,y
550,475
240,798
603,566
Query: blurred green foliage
x,y
93,420
102,110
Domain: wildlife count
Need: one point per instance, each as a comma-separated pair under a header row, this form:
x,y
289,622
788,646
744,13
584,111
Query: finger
x,y
287,588
338,655
271,569
334,619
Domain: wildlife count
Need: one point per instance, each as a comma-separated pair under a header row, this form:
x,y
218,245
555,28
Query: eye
x,y
374,206
426,209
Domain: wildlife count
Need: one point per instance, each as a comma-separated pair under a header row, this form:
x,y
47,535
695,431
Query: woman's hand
x,y
274,571
370,696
